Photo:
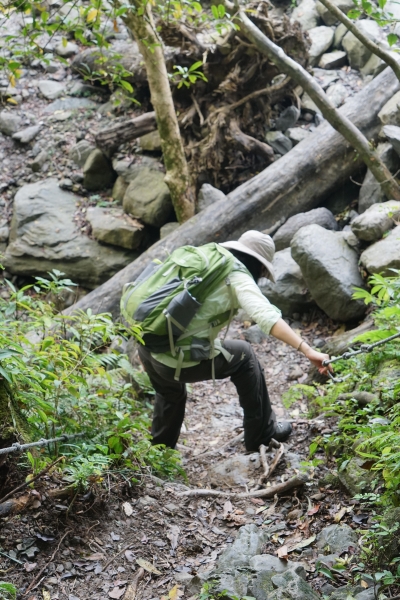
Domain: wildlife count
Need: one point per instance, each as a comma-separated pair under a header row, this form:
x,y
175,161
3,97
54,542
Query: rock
x,y
236,470
297,134
321,40
151,142
392,546
147,197
383,255
337,94
340,32
289,293
27,135
333,60
373,66
9,123
376,220
279,142
346,591
66,184
355,479
44,236
80,152
357,53
318,216
336,539
208,195
325,77
113,226
325,14
119,189
247,544
366,594
254,335
330,270
371,192
129,170
78,88
4,233
267,562
98,173
69,104
290,586
390,112
39,161
392,133
288,118
306,14
309,105
350,239
51,89
66,50
295,372
168,228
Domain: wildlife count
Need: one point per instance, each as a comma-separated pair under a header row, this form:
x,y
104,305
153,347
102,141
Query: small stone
x,y
384,255
27,135
373,66
326,15
112,226
297,134
279,142
167,229
51,89
66,184
376,221
321,40
151,142
80,152
392,133
208,195
340,32
62,115
9,122
333,60
288,118
66,50
98,173
69,104
254,335
319,216
390,113
4,233
306,14
337,94
309,105
357,53
37,164
371,191
336,539
295,373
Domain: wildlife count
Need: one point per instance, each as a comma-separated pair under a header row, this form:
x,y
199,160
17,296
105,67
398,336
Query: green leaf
x,y
354,14
392,38
4,374
197,6
221,11
127,86
382,3
214,11
195,66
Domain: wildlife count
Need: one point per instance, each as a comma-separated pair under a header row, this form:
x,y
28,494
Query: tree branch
x,y
387,57
333,116
250,144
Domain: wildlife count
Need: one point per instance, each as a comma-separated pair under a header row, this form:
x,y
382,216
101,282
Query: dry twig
x,y
52,557
131,590
28,482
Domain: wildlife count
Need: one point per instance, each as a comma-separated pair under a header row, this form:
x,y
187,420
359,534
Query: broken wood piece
x,y
249,144
264,462
110,138
279,488
278,455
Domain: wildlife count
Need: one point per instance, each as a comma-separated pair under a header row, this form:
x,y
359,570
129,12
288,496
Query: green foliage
x,y
377,12
207,593
8,591
67,380
297,392
187,76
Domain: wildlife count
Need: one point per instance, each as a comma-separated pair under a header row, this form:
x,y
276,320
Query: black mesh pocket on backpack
x,y
200,349
182,309
148,305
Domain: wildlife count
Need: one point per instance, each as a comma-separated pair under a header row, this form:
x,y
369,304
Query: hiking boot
x,y
283,429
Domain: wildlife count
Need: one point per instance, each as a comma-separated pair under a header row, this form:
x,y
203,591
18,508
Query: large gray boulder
x,y
326,15
247,544
321,40
51,89
147,197
290,586
376,220
383,255
236,470
112,226
44,236
208,195
98,173
318,216
306,14
9,122
289,292
371,191
336,539
330,270
81,151
357,53
390,112
392,133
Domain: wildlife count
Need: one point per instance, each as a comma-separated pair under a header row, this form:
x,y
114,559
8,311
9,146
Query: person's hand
x,y
317,358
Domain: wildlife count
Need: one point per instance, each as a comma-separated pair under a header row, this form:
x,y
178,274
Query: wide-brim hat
x,y
257,244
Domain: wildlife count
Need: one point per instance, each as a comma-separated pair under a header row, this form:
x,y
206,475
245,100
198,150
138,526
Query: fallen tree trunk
x,y
297,182
110,138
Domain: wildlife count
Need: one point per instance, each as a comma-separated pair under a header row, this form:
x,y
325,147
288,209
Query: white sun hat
x,y
257,244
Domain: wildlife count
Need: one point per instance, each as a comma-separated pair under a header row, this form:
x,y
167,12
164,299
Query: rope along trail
x,y
22,447
364,349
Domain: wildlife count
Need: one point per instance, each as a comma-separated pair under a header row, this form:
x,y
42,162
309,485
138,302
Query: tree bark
x,y
297,182
177,172
387,57
110,138
336,118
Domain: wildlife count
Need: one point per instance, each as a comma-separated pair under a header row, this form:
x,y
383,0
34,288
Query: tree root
x,y
269,469
249,144
280,488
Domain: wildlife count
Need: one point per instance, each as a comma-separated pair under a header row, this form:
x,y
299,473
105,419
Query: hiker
x,y
190,350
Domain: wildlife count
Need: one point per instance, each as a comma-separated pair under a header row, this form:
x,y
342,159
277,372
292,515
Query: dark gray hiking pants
x,y
245,372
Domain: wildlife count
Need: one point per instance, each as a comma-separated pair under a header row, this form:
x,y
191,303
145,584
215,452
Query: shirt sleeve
x,y
253,301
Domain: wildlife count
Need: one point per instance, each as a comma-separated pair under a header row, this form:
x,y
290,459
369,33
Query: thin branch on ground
x,y
269,492
28,482
231,442
131,590
108,563
52,557
269,469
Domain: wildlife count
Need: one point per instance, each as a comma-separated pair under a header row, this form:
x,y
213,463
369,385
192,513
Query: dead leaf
x,y
339,515
95,556
175,593
364,584
173,536
46,595
117,592
313,510
228,508
29,566
129,555
282,552
147,566
303,543
115,537
127,508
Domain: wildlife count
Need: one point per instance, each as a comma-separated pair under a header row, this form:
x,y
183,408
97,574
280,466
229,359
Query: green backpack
x,y
166,296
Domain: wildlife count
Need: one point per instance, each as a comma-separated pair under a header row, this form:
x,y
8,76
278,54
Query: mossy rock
x,y
355,479
387,375
392,546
